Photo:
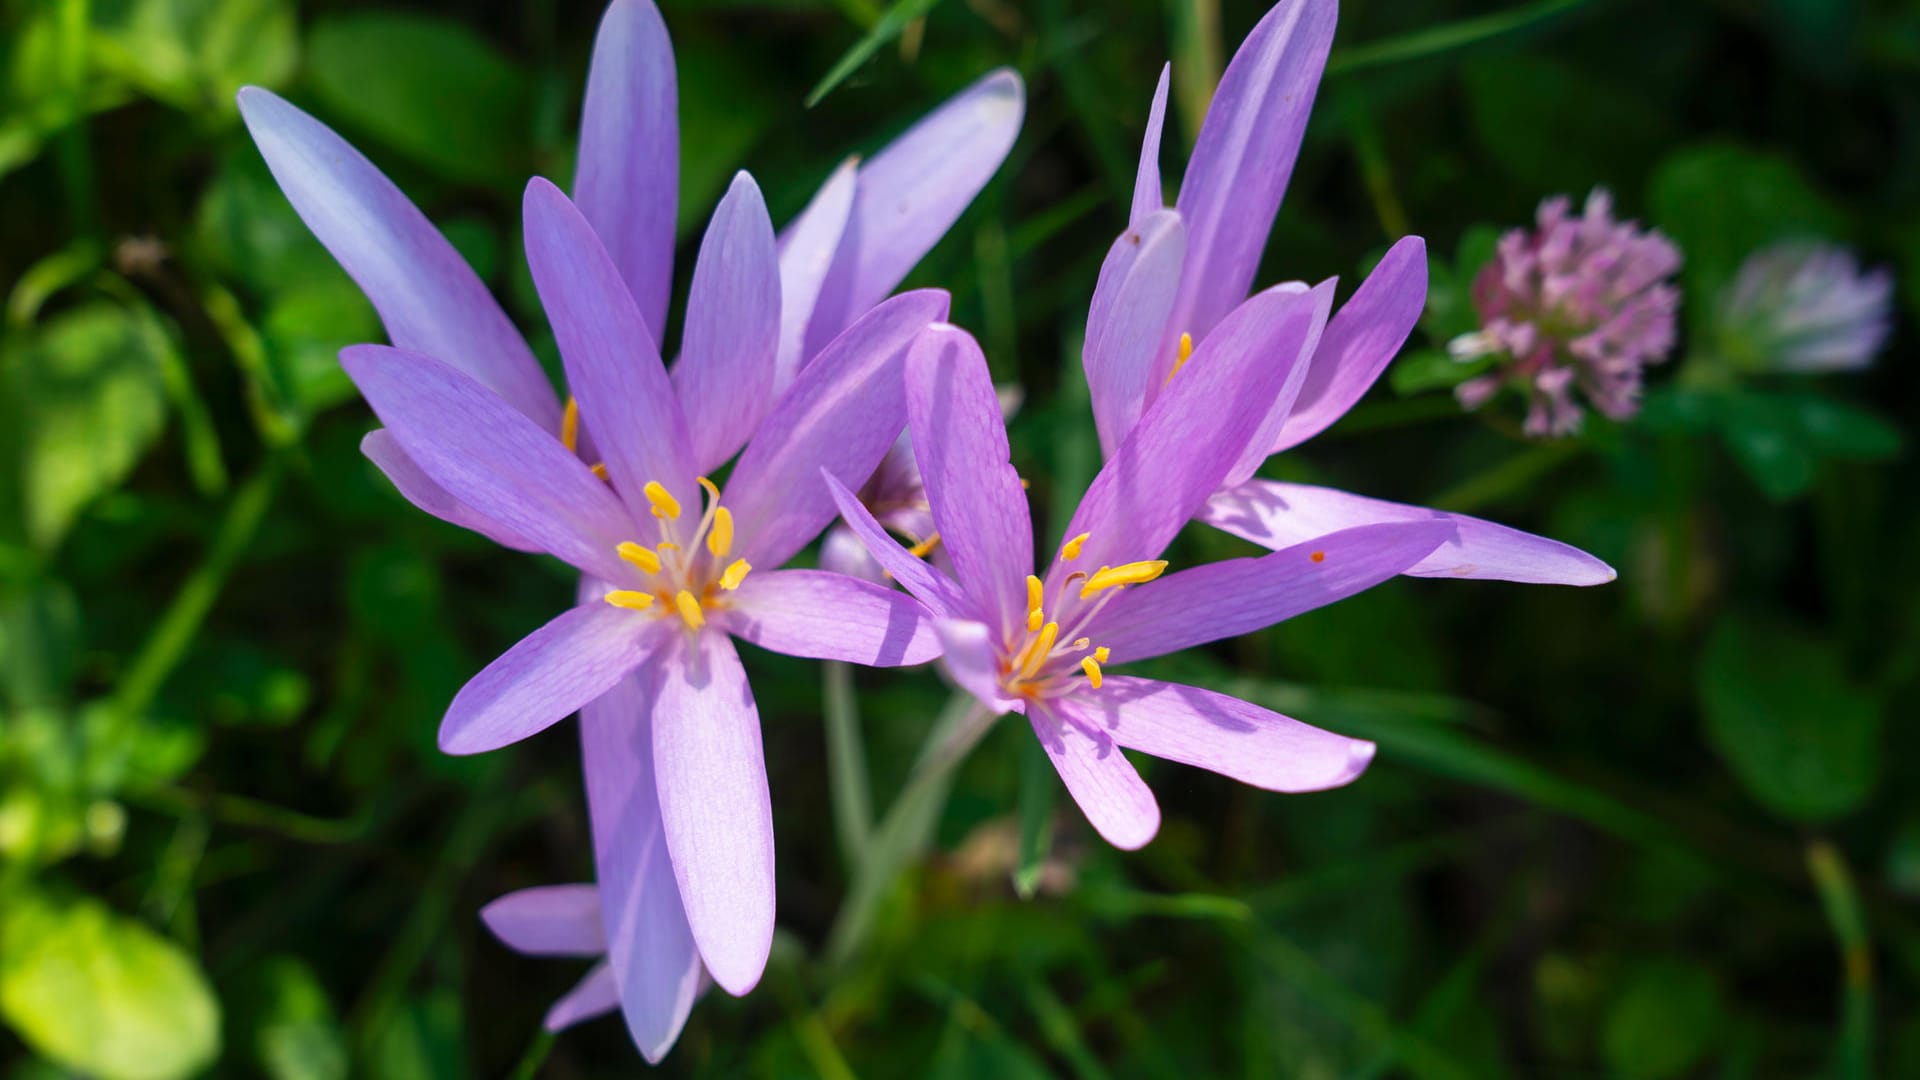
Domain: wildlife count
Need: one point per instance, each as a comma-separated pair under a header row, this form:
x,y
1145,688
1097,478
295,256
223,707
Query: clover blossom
x,y
1578,302
1042,644
1804,307
1176,273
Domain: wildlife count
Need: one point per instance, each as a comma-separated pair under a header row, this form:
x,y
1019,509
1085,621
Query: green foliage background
x,y
1663,828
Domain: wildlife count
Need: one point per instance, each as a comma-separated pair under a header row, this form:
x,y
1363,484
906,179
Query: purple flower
x,y
560,920
1803,307
1041,644
1584,302
1172,278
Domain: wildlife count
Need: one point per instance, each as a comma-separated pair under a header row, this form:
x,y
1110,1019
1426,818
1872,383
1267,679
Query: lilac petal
x,y
843,552
807,246
1226,599
1366,333
650,946
627,182
548,920
1101,779
1124,323
418,488
613,363
1276,515
960,441
940,593
1244,156
548,675
1193,433
824,616
594,995
912,192
429,298
969,655
1297,358
1147,194
491,458
841,414
725,372
1220,733
714,803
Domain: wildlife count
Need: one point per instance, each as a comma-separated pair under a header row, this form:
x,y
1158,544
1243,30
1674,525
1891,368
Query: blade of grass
x,y
1062,1032
1841,902
846,762
1196,61
1038,789
1436,40
884,30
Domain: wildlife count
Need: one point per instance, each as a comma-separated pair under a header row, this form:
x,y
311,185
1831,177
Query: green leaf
x,y
430,89
1795,730
1841,430
1432,369
886,29
1764,436
298,1037
1722,202
305,329
102,994
1038,792
196,54
248,232
1665,1020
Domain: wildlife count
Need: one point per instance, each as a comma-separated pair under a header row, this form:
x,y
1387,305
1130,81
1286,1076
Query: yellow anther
x,y
1100,654
720,537
1034,619
1038,650
600,471
735,573
1092,668
1071,549
921,549
641,557
570,426
1186,354
689,610
1133,573
629,599
1036,594
664,504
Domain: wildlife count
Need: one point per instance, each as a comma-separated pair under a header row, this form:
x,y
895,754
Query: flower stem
x,y
846,763
1841,902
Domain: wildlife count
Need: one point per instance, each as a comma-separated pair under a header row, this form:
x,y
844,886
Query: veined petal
x,y
627,182
612,360
911,192
1147,194
1226,599
1364,335
430,300
807,246
1244,156
714,803
1135,292
841,414
970,657
594,995
1100,778
960,441
843,552
1299,364
650,946
940,593
825,616
492,458
551,673
548,920
418,488
1277,515
725,372
1220,733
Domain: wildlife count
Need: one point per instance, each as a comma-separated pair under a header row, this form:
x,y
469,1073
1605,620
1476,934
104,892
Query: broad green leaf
x,y
103,995
305,329
247,232
1763,434
1721,202
196,54
1796,731
39,640
1666,1018
1840,430
298,1037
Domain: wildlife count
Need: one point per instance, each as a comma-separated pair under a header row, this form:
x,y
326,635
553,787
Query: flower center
x,y
1044,660
685,575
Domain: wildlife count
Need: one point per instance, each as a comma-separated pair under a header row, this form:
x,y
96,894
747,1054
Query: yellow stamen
x,y
632,601
1133,573
1071,549
689,610
664,504
720,539
1038,650
666,545
920,550
570,426
1035,594
1100,654
1034,619
1092,668
646,560
735,573
1186,354
600,471
713,491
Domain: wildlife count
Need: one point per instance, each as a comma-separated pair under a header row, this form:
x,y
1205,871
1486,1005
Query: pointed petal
x,y
1244,156
650,946
725,372
1299,363
714,803
1366,333
613,363
968,654
1277,515
912,192
627,182
1135,292
1101,779
491,458
594,995
418,488
548,920
1147,194
842,413
429,298
824,616
1220,733
1226,599
807,247
548,675
940,593
960,442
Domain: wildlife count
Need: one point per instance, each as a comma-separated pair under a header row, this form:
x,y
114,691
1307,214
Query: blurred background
x,y
1666,827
